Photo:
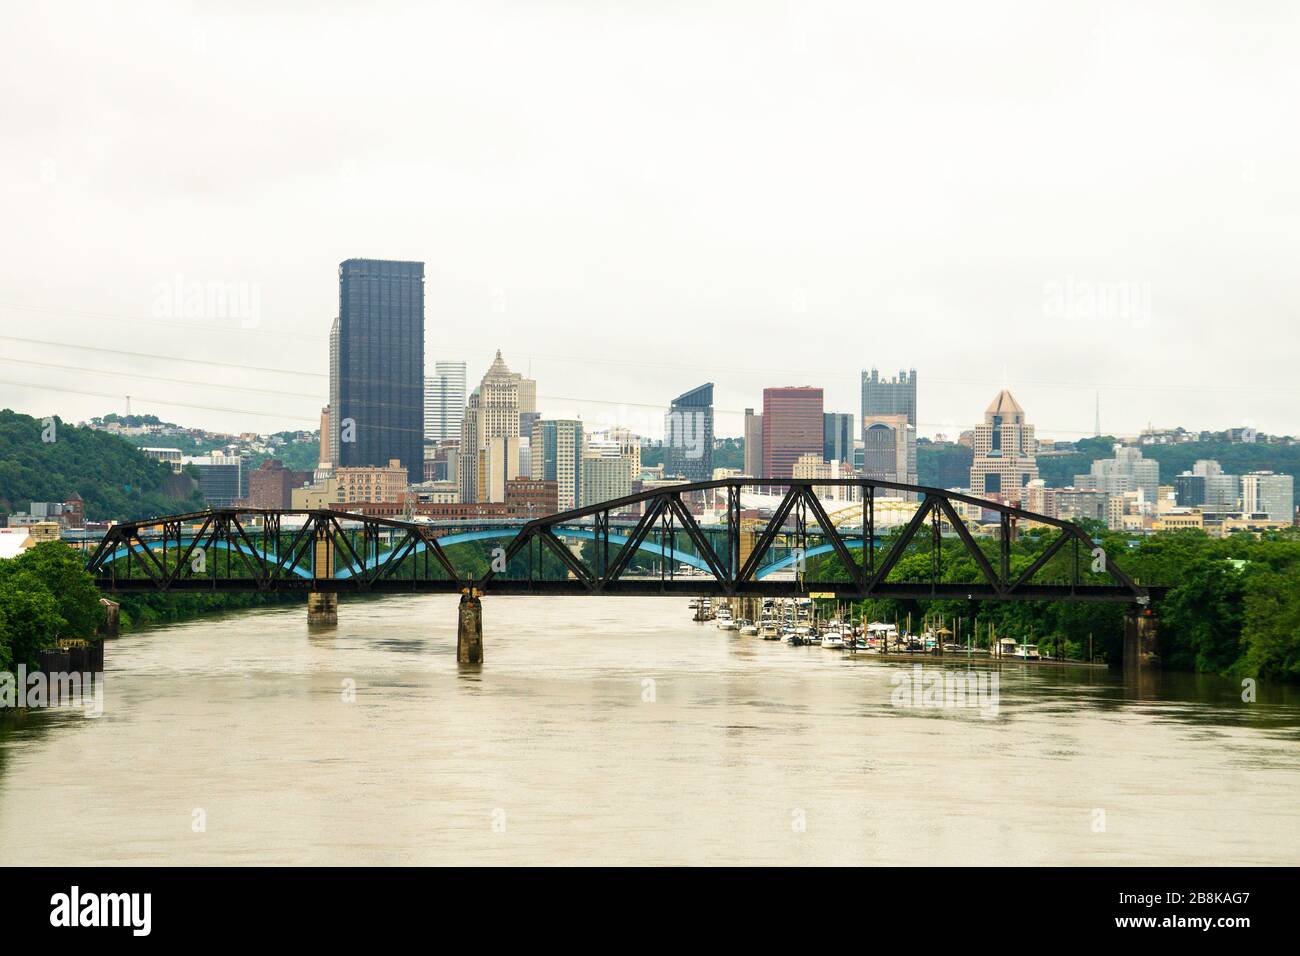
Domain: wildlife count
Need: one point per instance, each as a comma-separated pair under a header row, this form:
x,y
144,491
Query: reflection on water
x,y
616,730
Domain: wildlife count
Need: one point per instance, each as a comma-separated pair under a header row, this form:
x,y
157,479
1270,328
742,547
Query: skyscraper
x,y
895,396
792,427
492,412
330,443
753,444
444,401
889,449
380,365
837,436
558,446
1005,451
688,435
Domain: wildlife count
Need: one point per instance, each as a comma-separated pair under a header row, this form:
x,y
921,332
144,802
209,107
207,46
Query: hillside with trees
x,y
114,479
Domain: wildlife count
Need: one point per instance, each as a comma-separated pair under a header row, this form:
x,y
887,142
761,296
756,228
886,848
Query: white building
x,y
1264,492
444,401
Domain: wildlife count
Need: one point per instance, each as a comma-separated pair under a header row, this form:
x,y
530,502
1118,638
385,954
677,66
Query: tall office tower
x,y
1005,451
792,427
895,396
688,435
1263,492
527,393
444,401
753,444
889,449
331,445
381,364
1127,471
323,455
557,448
837,436
491,412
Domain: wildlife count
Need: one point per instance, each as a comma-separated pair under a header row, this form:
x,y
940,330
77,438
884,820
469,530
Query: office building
x,y
379,415
1267,493
221,479
792,428
557,449
688,435
491,412
753,444
837,436
1005,459
889,449
372,482
444,401
894,396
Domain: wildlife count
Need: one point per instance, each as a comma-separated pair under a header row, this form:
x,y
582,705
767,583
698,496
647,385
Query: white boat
x,y
1007,647
748,628
833,639
728,624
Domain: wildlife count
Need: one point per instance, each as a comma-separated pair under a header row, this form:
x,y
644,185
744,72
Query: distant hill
x,y
112,477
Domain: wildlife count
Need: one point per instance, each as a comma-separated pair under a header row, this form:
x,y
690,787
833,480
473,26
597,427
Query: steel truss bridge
x,y
648,543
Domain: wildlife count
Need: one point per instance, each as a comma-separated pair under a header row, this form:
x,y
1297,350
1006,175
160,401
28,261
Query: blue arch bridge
x,y
642,544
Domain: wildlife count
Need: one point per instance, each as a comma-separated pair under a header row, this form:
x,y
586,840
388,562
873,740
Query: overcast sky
x,y
633,199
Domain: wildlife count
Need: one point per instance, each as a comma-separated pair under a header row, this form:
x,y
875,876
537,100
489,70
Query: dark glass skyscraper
x,y
380,364
837,436
688,436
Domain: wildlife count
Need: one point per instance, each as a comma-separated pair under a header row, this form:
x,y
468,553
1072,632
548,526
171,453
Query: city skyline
x,y
639,268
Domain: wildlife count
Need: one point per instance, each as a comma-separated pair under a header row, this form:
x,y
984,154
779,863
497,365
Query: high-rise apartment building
x,y
894,396
557,447
444,401
753,444
380,365
688,435
792,428
1005,451
837,436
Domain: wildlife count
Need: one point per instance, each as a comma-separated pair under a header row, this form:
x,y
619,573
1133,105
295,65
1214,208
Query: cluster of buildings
x,y
402,438
398,441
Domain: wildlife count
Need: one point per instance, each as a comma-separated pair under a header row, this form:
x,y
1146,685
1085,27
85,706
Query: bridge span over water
x,y
648,543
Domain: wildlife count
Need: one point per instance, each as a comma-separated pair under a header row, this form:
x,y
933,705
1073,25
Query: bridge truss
x,y
647,543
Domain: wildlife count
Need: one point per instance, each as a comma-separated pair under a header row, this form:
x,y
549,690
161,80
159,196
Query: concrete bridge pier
x,y
469,631
322,608
1141,639
112,623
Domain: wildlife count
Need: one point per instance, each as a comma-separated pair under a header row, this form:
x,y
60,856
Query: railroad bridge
x,y
767,538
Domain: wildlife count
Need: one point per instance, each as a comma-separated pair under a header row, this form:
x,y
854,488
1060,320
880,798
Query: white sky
x,y
637,198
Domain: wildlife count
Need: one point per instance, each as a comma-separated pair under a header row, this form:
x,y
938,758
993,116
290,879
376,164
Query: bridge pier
x,y
1141,640
322,608
112,623
469,630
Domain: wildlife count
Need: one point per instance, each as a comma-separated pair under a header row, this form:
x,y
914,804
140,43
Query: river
x,y
616,730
